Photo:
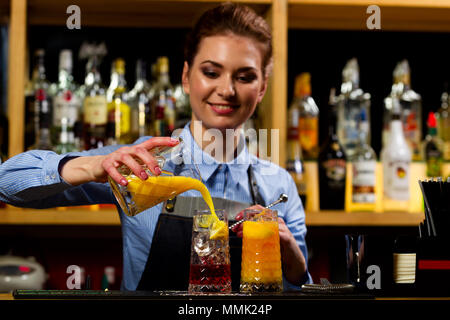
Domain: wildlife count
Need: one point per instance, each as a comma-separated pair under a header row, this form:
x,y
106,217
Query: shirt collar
x,y
208,165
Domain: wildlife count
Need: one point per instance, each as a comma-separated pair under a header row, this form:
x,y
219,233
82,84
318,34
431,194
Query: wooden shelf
x,y
60,216
110,217
367,219
130,13
396,15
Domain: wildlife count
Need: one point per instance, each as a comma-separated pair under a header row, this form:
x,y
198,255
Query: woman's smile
x,y
223,108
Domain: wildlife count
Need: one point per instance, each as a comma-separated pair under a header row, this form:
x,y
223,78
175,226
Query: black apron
x,y
167,266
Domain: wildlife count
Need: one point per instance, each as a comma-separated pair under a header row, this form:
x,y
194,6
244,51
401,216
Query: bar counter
x,y
180,305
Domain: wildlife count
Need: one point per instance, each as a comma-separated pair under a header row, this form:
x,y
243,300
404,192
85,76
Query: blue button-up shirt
x,y
31,179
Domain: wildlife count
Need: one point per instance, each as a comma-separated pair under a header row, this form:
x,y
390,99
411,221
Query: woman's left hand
x,y
294,264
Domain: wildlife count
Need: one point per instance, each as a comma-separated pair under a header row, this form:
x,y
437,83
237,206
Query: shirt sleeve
x,y
294,218
32,180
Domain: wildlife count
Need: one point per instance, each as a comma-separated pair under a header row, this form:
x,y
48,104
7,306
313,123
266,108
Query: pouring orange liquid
x,y
150,192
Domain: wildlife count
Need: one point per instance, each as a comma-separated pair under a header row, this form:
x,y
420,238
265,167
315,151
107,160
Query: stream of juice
x,y
150,192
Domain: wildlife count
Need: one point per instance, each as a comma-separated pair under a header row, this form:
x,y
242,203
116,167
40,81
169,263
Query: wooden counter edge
x,y
60,216
110,217
357,219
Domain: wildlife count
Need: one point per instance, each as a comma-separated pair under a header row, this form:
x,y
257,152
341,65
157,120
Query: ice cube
x,y
202,245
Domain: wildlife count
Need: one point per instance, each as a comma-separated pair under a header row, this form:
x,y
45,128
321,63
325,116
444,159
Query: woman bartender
x,y
227,63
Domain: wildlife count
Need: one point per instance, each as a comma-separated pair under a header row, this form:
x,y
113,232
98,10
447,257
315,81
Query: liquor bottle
x,y
432,152
118,109
109,280
351,102
42,108
95,108
361,189
411,106
139,103
163,101
308,117
66,105
396,159
396,92
294,163
3,136
332,166
444,125
31,127
182,107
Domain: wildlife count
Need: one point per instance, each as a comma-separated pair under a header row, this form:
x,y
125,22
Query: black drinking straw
x,y
428,213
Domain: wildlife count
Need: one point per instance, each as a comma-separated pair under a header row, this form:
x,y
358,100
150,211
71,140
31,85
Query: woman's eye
x,y
210,74
246,78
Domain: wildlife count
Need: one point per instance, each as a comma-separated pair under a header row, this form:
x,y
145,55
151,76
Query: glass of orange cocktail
x,y
261,258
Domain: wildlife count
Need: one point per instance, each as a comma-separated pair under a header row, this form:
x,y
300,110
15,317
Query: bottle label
x,y
65,107
335,169
95,110
308,133
396,185
363,182
120,114
434,162
411,130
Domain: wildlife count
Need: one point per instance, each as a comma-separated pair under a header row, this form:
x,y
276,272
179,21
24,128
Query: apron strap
x,y
254,189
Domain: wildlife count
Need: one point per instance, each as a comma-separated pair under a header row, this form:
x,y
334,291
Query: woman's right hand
x,y
97,168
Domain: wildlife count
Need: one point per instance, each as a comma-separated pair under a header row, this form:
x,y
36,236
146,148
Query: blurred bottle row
x,y
349,139
65,116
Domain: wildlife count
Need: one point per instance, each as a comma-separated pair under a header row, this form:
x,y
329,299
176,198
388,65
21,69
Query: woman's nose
x,y
226,87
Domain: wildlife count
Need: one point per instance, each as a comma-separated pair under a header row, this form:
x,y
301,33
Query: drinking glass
x,y
261,258
139,195
210,270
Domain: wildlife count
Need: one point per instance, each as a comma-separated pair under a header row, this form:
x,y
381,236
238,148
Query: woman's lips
x,y
223,108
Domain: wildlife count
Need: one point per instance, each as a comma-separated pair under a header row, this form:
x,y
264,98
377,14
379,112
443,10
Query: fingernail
x,y
173,140
157,170
123,182
144,175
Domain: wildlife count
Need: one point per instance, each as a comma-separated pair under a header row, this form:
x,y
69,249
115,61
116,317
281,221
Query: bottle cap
x,y
163,63
39,52
402,73
431,122
119,65
65,59
351,72
141,69
303,85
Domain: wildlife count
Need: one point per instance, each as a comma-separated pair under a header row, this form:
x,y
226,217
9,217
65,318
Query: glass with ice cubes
x,y
210,270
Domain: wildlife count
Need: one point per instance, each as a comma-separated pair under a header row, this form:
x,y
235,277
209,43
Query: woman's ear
x,y
185,78
263,89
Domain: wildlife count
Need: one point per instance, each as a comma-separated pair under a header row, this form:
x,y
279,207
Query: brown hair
x,y
230,18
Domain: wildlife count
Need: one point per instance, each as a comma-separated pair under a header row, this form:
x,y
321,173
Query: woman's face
x,y
225,81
